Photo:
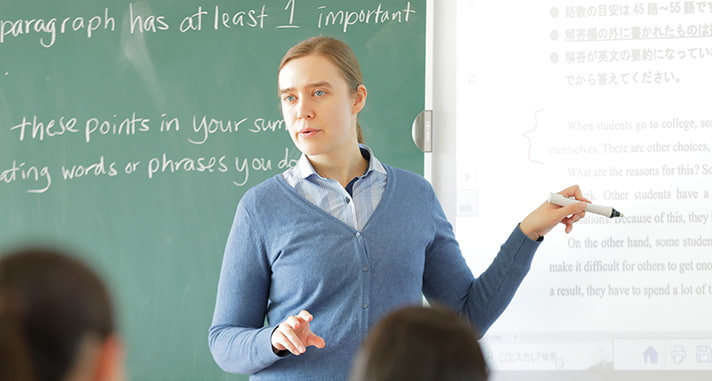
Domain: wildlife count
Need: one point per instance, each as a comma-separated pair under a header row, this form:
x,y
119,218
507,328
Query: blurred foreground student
x,y
421,344
326,249
56,320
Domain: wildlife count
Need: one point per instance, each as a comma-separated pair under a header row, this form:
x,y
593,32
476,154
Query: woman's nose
x,y
305,110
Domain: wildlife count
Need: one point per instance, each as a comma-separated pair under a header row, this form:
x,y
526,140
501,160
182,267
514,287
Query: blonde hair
x,y
338,53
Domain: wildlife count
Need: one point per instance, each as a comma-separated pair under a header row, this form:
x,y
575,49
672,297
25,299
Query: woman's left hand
x,y
545,217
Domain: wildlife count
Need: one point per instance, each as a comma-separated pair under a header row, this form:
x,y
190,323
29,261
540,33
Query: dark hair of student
x,y
49,303
335,51
421,343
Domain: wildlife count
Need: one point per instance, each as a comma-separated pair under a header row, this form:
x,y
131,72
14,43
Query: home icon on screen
x,y
650,356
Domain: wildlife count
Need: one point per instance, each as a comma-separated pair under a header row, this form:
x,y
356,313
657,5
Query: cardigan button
x,y
358,234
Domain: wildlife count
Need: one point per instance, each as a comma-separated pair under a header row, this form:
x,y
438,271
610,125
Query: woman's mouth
x,y
307,132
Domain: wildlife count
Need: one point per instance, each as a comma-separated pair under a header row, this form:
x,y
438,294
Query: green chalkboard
x,y
104,108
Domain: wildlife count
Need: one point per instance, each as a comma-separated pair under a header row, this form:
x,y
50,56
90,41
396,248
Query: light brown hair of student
x,y
56,320
421,343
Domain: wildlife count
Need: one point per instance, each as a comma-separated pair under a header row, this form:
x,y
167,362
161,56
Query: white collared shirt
x,y
353,209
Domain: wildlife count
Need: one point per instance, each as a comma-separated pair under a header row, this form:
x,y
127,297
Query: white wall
x,y
440,165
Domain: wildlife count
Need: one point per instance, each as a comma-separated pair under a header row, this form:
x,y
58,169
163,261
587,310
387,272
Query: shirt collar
x,y
304,169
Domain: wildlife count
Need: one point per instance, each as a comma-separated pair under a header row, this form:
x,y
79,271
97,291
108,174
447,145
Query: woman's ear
x,y
359,99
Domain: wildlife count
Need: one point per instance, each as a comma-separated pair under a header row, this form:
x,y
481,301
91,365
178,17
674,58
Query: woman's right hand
x,y
548,215
295,335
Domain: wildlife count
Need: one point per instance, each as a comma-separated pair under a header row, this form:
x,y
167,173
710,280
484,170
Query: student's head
x,y
420,343
320,85
56,320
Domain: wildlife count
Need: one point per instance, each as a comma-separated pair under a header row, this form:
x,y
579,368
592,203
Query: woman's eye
x,y
319,93
290,98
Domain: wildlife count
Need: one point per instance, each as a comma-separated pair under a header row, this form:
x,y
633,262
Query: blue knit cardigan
x,y
284,254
